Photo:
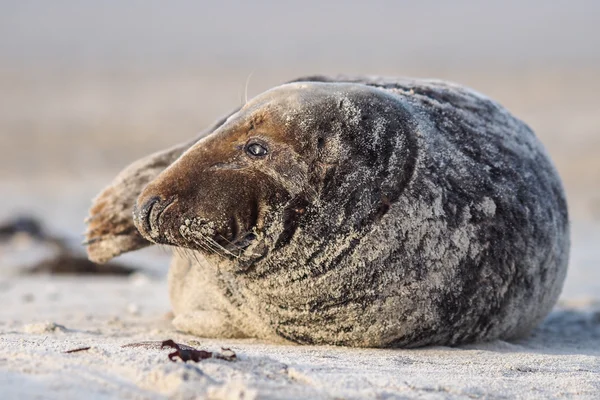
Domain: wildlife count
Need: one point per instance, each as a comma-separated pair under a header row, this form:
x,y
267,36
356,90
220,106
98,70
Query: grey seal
x,y
367,212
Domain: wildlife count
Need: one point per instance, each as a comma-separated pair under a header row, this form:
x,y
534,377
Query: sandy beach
x,y
561,359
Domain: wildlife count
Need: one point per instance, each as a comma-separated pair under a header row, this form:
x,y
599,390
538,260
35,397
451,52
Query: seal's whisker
x,y
217,245
195,255
192,255
230,243
213,248
211,245
197,241
181,253
246,88
204,246
239,248
164,248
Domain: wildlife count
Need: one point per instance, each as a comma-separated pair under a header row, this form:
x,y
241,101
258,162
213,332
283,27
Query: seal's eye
x,y
256,149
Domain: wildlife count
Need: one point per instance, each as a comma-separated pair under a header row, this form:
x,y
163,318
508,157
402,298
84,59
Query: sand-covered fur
x,y
385,212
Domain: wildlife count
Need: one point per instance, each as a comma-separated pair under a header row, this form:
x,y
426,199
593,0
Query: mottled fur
x,y
397,213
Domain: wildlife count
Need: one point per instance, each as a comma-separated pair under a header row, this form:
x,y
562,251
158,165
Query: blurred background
x,y
88,87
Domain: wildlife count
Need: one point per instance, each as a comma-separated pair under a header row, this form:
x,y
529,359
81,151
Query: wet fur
x,y
427,215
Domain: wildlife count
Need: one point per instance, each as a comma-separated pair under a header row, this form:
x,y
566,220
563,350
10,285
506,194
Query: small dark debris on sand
x,y
77,350
66,261
185,352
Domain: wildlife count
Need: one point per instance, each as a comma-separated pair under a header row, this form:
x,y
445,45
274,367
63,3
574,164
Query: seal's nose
x,y
145,216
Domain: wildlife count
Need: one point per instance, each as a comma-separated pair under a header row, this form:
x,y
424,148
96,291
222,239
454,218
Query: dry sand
x,y
43,317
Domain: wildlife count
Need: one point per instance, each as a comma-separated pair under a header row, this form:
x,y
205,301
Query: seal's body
x,y
362,212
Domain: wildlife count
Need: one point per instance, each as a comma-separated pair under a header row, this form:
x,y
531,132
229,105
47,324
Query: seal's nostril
x,y
147,215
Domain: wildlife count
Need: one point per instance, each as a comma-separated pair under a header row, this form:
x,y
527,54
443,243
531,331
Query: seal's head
x,y
303,154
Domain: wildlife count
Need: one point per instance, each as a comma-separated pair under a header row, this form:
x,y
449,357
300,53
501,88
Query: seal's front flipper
x,y
110,229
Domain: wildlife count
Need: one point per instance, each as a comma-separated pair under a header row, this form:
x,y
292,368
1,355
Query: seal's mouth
x,y
199,234
157,225
242,243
